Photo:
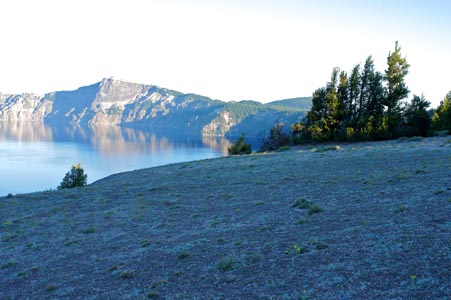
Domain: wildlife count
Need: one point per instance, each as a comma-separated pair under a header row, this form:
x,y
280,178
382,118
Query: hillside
x,y
117,102
303,103
363,221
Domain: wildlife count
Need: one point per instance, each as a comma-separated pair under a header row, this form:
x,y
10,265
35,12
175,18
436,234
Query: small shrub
x,y
305,204
159,283
127,274
89,230
299,249
108,214
284,148
9,196
313,209
320,246
253,258
76,177
300,222
302,203
152,294
227,263
50,288
9,264
145,243
183,255
401,208
296,250
9,236
240,147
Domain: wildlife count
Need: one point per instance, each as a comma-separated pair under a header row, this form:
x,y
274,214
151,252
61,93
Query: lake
x,y
35,157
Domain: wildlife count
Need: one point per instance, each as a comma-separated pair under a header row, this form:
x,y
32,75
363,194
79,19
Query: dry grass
x,y
229,229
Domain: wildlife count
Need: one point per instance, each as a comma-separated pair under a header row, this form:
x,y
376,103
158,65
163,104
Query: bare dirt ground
x,y
358,221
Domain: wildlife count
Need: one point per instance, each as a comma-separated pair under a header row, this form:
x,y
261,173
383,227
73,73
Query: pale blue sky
x,y
230,50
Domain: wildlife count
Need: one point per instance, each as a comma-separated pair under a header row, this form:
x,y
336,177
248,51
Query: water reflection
x,y
108,140
25,131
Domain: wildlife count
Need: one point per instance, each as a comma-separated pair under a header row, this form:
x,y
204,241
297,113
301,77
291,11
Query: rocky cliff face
x,y
220,125
25,107
116,102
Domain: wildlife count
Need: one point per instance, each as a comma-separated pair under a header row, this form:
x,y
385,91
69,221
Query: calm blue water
x,y
35,157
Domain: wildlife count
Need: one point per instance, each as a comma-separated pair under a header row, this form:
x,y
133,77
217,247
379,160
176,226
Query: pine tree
x,y
368,69
442,115
331,123
417,120
315,119
76,177
342,95
374,108
397,69
240,147
276,139
354,92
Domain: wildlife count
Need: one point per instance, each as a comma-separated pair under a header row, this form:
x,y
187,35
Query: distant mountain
x,y
117,102
303,103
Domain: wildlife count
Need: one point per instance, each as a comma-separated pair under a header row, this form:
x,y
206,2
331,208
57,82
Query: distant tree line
x,y
369,105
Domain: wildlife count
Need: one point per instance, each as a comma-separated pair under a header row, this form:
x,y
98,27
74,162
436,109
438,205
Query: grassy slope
x,y
226,229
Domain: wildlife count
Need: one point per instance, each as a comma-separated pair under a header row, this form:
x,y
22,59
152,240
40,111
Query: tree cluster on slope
x,y
365,105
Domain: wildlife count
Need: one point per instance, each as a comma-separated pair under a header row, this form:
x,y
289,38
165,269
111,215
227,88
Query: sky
x,y
227,49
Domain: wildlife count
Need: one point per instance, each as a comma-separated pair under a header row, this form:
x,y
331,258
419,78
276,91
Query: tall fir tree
x,y
397,69
354,92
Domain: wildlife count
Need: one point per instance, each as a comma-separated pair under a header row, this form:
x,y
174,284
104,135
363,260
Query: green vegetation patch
x,y
8,264
227,263
89,230
303,203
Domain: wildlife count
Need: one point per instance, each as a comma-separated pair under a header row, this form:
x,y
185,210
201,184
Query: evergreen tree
x,y
416,115
316,116
354,92
277,138
76,177
323,119
442,115
342,114
397,69
332,118
240,147
374,108
368,69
